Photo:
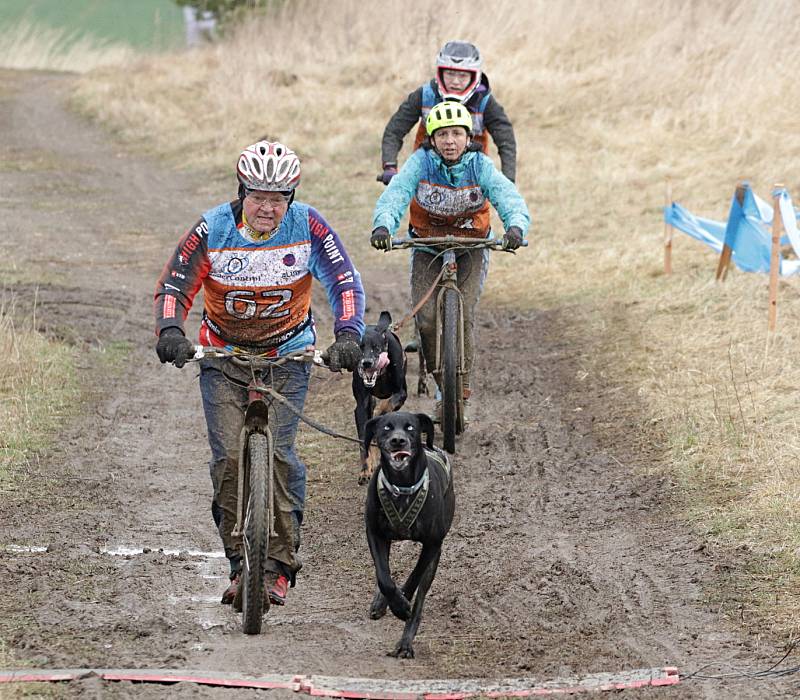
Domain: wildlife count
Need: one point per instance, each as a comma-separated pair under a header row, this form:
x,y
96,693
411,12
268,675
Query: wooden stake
x,y
668,231
775,260
727,251
724,262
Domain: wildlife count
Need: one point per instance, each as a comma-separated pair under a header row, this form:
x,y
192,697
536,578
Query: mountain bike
x,y
255,521
450,326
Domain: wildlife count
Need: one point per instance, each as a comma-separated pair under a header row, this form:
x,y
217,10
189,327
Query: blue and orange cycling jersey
x,y
258,292
450,199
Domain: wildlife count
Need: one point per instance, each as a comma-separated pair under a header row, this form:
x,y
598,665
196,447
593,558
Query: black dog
x,y
381,374
410,497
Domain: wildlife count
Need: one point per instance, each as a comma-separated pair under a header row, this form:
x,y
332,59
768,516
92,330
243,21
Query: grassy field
x,y
141,24
80,35
37,390
607,102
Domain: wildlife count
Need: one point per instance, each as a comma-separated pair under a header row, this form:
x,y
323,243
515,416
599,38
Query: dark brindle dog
x,y
410,497
381,375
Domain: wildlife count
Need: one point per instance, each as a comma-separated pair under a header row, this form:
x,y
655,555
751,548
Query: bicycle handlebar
x,y
452,242
247,358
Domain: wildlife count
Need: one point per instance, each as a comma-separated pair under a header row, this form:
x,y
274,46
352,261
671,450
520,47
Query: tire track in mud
x,y
562,559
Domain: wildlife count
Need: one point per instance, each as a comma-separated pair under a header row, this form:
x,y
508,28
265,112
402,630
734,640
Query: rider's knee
x,y
426,324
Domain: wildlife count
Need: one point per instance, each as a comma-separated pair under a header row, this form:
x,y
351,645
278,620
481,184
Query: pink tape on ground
x,y
368,688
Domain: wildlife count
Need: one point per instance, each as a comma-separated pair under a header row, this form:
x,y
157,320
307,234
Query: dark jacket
x,y
495,121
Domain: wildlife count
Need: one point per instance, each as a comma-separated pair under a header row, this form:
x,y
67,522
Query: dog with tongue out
x,y
379,382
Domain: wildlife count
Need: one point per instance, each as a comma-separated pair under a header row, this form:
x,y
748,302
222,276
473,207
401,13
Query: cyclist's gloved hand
x,y
173,346
345,353
381,239
389,171
513,238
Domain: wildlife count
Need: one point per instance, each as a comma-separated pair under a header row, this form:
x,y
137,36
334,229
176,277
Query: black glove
x,y
345,353
381,239
389,171
513,238
174,347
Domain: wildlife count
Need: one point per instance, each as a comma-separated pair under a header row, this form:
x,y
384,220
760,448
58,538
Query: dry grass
x,y
607,100
28,46
36,390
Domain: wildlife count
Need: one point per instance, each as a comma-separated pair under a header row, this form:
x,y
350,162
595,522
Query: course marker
x,y
372,688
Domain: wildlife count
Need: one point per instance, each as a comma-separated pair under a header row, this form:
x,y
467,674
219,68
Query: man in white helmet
x,y
459,77
255,258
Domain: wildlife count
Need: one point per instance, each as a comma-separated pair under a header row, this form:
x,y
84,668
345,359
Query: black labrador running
x,y
410,497
381,375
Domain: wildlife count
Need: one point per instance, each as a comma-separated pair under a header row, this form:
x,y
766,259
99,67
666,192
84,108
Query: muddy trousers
x,y
224,402
425,267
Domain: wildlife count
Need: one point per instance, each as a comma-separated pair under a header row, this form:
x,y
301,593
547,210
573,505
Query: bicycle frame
x,y
449,279
449,361
256,417
255,507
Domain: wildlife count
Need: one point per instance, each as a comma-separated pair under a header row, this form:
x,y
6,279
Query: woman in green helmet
x,y
449,184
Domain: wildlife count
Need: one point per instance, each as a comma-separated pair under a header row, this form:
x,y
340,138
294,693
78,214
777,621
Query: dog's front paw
x,y
369,465
377,609
400,606
402,651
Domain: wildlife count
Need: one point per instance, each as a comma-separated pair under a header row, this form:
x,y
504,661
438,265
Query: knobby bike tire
x,y
256,535
450,363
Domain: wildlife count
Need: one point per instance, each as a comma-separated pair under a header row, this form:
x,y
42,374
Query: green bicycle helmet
x,y
448,113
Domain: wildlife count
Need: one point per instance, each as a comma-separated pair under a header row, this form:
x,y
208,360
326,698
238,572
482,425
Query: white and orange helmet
x,y
459,55
269,166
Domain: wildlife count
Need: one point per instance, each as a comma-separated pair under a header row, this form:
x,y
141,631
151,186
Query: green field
x,y
142,24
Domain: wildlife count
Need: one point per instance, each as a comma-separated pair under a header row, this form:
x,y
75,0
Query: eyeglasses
x,y
274,200
456,75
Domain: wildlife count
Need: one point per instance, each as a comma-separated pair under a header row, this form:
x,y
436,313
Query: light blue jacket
x,y
472,167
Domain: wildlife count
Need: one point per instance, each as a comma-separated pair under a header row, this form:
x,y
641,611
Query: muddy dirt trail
x,y
563,558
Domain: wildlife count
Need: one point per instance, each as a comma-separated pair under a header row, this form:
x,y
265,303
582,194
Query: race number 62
x,y
242,303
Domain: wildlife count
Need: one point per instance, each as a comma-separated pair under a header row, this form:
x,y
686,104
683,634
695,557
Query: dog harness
x,y
387,492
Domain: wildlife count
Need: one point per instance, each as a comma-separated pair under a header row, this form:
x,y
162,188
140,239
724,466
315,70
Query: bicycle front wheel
x,y
256,533
452,410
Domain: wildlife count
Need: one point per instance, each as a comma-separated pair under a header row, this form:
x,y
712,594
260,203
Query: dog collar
x,y
402,490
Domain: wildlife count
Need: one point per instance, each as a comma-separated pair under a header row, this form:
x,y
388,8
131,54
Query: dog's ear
x,y
426,426
384,322
369,431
